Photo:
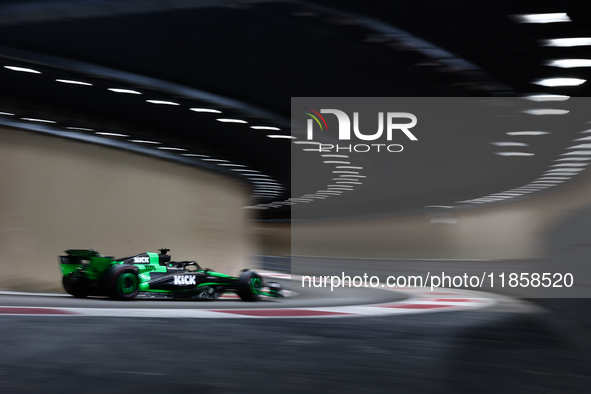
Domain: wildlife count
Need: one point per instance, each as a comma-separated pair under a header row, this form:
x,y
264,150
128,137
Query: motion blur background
x,y
132,125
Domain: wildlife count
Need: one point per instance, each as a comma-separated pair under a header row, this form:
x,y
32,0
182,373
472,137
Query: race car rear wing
x,y
77,258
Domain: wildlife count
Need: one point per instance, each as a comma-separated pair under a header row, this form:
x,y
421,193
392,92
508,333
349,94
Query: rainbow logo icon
x,y
316,118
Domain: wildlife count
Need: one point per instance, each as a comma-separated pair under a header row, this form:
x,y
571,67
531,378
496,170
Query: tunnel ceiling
x,y
209,80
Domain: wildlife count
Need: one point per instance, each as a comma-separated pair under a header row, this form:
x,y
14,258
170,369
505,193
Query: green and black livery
x,y
153,275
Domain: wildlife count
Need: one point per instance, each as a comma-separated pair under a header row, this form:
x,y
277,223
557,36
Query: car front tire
x,y
250,285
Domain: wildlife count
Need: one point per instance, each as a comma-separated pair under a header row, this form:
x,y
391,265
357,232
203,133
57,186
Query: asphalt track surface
x,y
509,347
308,297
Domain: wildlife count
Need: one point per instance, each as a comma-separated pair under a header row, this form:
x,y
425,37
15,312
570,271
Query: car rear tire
x,y
250,285
76,286
122,282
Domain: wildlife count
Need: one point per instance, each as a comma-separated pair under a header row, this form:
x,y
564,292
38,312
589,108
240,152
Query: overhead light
x,y
553,82
568,174
583,139
243,170
350,167
565,172
231,120
345,156
562,169
268,185
570,165
307,143
350,182
580,146
265,128
345,172
438,206
145,142
111,134
39,120
509,143
475,201
169,148
513,154
567,42
209,110
546,111
505,195
542,18
79,128
232,165
217,160
577,153
574,159
128,91
23,69
353,176
336,162
69,81
266,182
517,133
569,63
193,155
162,102
281,136
6,114
546,97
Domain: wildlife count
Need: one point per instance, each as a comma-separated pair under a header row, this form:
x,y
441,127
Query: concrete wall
x,y
502,231
59,194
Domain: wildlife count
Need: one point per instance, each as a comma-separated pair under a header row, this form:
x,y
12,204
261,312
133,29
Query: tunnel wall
x,y
507,231
59,194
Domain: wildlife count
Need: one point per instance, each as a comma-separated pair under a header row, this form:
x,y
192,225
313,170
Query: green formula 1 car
x,y
153,275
